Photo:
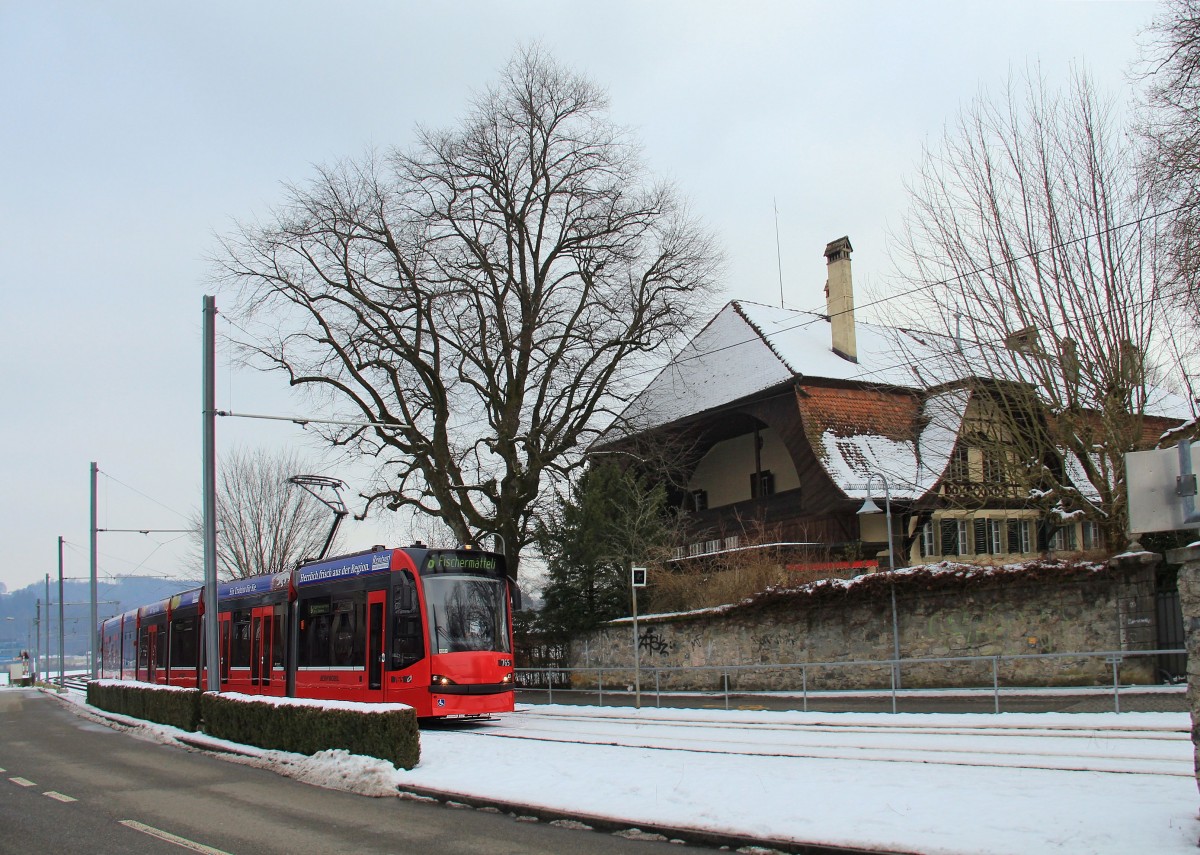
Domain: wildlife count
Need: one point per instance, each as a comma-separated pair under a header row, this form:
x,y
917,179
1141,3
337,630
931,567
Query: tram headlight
x,y
507,678
439,680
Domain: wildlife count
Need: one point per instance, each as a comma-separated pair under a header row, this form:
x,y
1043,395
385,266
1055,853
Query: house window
x,y
699,500
964,527
1018,536
949,537
993,469
712,546
762,484
732,541
960,468
995,536
1091,535
927,540
1063,539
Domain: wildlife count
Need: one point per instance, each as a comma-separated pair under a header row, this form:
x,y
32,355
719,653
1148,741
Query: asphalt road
x,y
70,785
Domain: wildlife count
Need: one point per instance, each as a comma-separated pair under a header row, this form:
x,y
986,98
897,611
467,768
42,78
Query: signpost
x,y
637,579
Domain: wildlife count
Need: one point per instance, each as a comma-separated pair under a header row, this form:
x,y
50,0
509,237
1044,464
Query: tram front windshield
x,y
466,613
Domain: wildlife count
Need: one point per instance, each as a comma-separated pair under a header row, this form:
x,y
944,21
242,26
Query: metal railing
x,y
907,678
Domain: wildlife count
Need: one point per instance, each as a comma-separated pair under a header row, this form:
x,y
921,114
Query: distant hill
x,y
114,597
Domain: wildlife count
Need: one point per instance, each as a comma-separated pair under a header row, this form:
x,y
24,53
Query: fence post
x,y
996,682
726,675
600,682
550,685
804,685
657,691
1116,668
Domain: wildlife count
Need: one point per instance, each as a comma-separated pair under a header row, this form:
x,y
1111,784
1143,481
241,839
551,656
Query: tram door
x,y
375,648
224,638
152,654
262,634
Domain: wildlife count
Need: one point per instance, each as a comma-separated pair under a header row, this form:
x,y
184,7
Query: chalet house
x,y
782,423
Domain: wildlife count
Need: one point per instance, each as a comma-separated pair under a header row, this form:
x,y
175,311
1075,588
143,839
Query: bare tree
x,y
1170,127
264,524
1030,250
484,300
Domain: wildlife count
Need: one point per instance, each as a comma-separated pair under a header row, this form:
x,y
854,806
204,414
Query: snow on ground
x,y
928,783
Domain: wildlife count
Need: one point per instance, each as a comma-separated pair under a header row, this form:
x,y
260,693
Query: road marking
x,y
171,838
23,782
59,797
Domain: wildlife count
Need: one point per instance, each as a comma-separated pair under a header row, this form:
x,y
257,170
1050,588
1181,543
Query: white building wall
x,y
725,471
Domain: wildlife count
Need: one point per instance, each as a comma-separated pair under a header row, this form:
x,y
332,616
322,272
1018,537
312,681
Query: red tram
x,y
430,628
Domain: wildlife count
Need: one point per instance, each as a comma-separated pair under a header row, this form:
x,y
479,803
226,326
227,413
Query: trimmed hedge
x,y
386,731
302,726
162,704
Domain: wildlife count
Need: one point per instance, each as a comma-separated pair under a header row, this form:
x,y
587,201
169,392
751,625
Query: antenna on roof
x,y
778,258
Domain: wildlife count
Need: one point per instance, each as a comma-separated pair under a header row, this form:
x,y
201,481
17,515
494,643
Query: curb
x,y
643,831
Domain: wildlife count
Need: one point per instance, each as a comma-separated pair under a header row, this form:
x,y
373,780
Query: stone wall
x,y
941,610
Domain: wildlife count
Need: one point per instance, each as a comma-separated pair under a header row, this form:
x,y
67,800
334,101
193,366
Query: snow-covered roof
x,y
748,348
912,466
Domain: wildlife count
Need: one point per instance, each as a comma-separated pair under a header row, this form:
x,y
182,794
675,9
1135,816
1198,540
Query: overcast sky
x,y
133,133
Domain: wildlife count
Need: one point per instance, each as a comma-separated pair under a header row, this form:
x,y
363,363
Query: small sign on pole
x,y
639,577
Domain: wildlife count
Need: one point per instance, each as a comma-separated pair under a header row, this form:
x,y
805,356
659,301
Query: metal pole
x,y
37,640
47,625
637,675
209,487
62,661
887,504
94,634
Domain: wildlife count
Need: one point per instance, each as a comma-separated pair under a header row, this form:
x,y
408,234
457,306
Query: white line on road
x,y
59,797
23,782
171,838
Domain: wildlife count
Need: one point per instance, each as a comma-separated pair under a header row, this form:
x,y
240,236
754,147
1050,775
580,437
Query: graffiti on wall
x,y
650,641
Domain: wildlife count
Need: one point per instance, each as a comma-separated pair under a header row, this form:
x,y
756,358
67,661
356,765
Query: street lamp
x,y
869,507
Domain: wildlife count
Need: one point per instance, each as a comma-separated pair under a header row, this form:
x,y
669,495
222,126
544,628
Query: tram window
x,y
315,617
239,648
408,645
161,650
144,649
129,650
349,631
183,643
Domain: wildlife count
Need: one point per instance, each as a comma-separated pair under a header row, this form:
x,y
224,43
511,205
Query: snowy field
x,y
1009,784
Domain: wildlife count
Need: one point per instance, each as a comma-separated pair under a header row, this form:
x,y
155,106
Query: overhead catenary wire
x,y
149,498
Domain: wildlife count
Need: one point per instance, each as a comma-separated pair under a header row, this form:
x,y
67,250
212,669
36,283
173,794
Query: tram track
x,y
1153,749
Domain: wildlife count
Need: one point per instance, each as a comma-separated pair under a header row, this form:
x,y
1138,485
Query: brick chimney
x,y
839,298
